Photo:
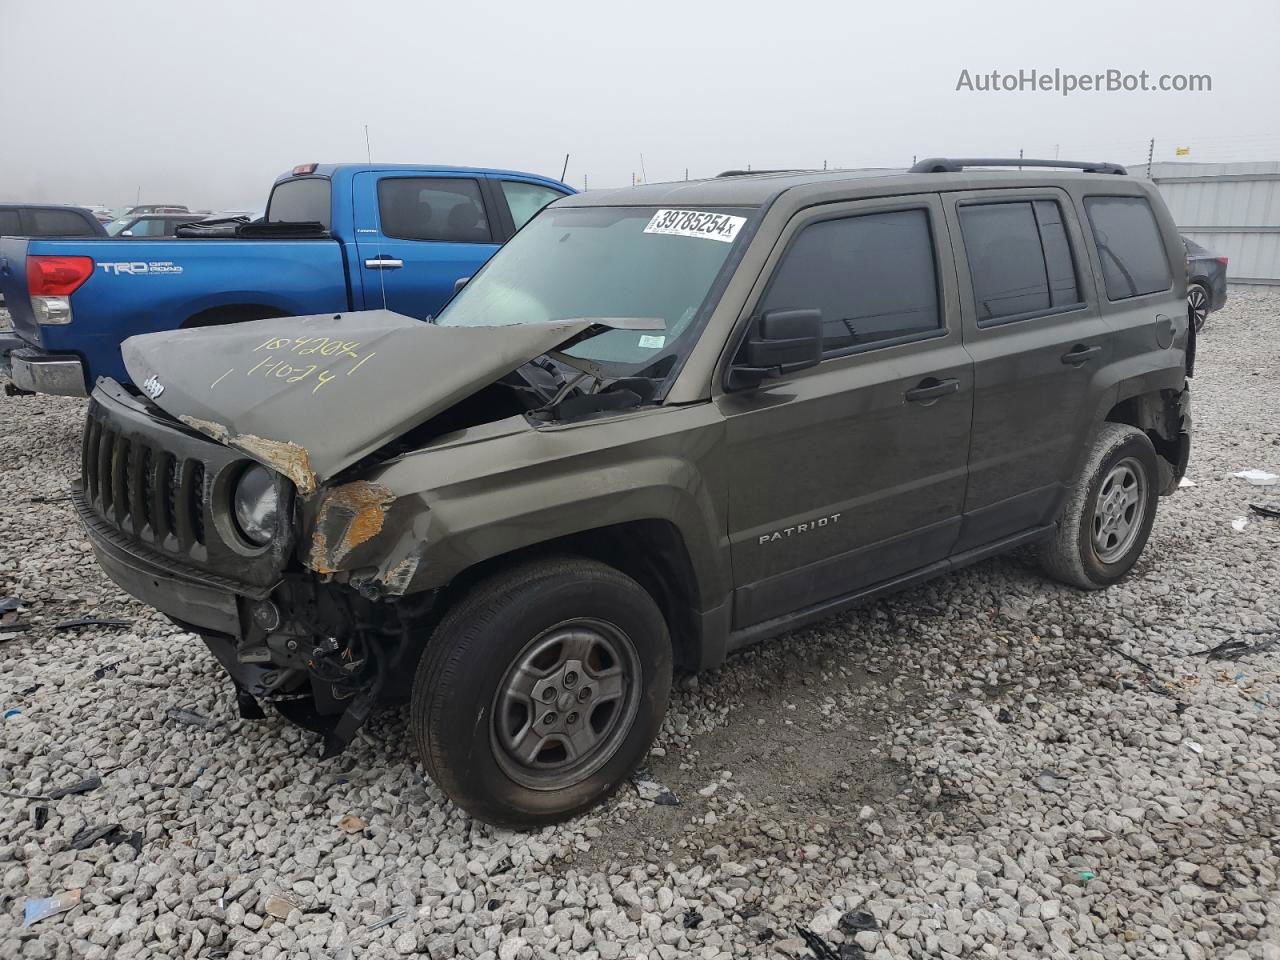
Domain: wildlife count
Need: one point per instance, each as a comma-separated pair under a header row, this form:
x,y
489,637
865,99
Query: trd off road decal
x,y
140,268
692,223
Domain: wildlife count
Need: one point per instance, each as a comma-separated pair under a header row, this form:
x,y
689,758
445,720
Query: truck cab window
x,y
305,200
433,208
526,199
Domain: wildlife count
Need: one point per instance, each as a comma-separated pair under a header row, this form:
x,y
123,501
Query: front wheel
x,y
1109,512
541,691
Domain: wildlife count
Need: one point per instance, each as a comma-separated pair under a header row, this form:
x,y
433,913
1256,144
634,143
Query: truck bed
x,y
142,286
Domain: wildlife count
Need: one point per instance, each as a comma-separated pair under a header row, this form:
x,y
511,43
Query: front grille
x,y
153,483
144,491
197,516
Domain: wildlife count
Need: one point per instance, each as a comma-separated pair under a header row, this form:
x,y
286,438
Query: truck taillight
x,y
1221,260
51,282
56,276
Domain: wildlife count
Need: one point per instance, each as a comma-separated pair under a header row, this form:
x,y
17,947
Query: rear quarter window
x,y
305,200
1130,247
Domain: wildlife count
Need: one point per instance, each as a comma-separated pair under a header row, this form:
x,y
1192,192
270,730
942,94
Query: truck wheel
x,y
1109,513
541,691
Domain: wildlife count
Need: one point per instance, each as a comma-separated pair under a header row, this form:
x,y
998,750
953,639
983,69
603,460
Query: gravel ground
x,y
988,766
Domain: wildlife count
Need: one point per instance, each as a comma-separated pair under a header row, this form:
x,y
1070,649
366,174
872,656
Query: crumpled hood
x,y
308,396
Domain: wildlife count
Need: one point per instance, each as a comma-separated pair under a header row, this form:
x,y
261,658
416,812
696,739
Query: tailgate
x,y
13,290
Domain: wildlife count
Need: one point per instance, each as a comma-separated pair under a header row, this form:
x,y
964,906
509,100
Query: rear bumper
x,y
1218,294
58,374
204,601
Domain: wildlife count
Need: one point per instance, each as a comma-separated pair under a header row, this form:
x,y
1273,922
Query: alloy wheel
x,y
1197,306
566,702
1118,510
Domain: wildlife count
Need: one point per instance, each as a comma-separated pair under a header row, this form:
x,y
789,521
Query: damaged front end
x,y
316,610
322,655
156,499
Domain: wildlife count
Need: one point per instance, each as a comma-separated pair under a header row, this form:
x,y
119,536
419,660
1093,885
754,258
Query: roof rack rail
x,y
752,173
957,164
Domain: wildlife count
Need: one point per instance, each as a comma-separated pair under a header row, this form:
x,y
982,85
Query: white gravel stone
x,y
971,762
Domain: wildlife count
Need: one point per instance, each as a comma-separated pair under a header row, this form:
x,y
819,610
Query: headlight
x,y
256,504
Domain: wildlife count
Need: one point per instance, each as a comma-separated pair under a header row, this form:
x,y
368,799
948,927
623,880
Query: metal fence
x,y
1232,209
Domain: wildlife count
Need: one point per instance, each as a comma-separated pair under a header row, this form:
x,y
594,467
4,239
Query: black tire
x,y
1197,305
1074,554
459,691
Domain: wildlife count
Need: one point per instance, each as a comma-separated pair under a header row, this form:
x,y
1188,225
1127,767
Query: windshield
x,y
115,226
575,262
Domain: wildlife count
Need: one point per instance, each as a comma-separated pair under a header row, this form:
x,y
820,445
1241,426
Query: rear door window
x,y
1130,247
873,276
526,199
1019,259
433,208
10,226
305,200
55,223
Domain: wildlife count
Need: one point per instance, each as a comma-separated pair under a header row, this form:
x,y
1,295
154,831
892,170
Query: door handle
x,y
384,263
1080,354
931,389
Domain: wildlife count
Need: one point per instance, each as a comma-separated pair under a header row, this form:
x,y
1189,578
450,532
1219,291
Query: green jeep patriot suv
x,y
660,424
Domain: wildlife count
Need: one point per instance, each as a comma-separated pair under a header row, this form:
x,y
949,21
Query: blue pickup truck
x,y
335,237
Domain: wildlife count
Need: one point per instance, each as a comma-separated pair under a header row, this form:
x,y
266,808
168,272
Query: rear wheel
x,y
541,691
1109,512
1197,305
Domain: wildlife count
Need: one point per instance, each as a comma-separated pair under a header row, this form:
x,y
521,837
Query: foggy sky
x,y
205,104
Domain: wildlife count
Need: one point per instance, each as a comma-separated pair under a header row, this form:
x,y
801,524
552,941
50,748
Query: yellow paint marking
x,y
362,360
221,378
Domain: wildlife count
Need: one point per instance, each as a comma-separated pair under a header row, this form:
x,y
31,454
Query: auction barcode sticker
x,y
693,223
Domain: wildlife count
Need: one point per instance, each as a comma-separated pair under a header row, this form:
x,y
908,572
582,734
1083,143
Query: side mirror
x,y
459,284
780,342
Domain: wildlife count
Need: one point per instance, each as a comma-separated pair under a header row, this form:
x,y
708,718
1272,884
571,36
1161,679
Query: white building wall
x,y
1232,209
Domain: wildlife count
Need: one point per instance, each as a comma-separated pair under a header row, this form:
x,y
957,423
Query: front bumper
x,y
204,601
58,374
